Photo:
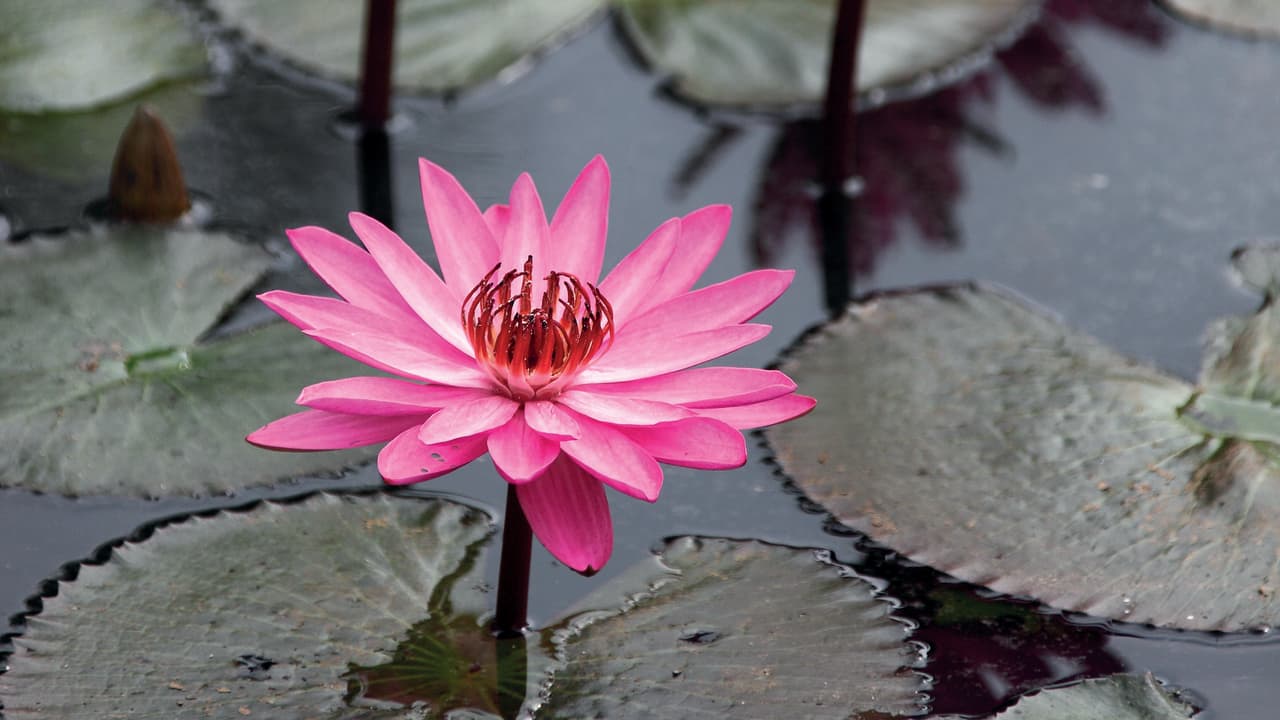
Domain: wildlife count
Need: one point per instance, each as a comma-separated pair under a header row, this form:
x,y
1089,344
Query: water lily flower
x,y
570,383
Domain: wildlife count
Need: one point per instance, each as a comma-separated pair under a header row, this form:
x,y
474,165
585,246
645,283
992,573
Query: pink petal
x,y
701,443
464,246
702,233
630,283
581,224
703,387
477,416
309,312
406,460
319,430
745,417
633,360
550,420
382,396
616,410
349,270
391,355
527,234
519,453
497,217
417,283
615,459
727,303
568,511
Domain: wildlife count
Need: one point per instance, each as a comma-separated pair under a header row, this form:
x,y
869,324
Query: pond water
x,y
1104,166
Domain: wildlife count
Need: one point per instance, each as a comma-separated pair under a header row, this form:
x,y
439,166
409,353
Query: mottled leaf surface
x,y
58,55
255,613
720,628
982,437
107,386
1250,17
760,53
441,45
1118,697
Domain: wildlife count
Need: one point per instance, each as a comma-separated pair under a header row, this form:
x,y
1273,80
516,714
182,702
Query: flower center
x,y
534,350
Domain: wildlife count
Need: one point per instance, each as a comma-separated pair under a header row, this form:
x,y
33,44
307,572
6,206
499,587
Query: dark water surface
x,y
1104,166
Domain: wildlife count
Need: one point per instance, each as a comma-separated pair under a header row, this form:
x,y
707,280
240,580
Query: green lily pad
x,y
1118,697
80,146
1248,17
722,628
979,436
441,45
58,56
108,387
759,53
282,611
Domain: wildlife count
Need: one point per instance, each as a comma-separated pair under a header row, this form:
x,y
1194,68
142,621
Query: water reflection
x,y
909,153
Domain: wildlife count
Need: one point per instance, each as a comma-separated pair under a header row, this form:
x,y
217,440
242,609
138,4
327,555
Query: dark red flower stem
x,y
376,63
836,156
837,112
511,615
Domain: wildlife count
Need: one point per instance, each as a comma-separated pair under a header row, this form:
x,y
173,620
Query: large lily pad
x,y
1249,17
739,629
107,386
1118,697
441,45
759,53
71,55
277,612
983,438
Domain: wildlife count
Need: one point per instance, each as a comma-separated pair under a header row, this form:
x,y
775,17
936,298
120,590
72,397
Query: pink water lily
x,y
570,383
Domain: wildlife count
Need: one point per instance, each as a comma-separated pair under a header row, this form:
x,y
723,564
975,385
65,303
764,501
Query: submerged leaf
x,y
1118,697
57,56
107,386
735,628
985,439
273,610
440,45
759,53
1249,17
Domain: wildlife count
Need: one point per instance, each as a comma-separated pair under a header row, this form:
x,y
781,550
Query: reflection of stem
x,y
835,213
376,62
837,111
513,675
373,158
510,617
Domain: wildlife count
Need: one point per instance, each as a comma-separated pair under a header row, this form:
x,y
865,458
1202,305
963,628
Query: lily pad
x,y
272,612
80,146
744,629
759,53
58,56
441,45
980,436
1248,17
107,385
1118,697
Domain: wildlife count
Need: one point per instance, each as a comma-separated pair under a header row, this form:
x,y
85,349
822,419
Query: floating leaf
x,y
275,612
983,438
106,387
758,53
57,56
1249,17
441,45
736,628
1118,697
79,146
